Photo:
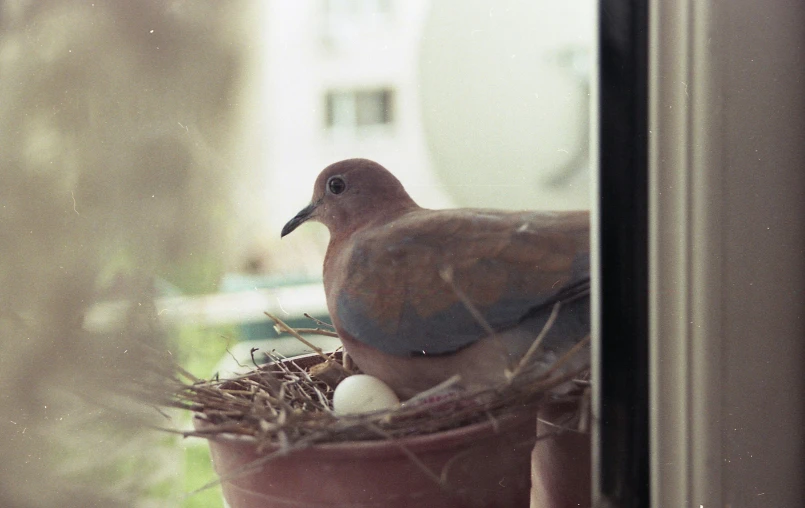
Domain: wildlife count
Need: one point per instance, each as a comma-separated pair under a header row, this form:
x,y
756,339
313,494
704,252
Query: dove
x,y
419,295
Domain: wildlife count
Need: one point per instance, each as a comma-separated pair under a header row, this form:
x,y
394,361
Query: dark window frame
x,y
621,444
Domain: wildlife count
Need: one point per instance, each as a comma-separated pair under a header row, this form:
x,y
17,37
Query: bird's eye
x,y
336,185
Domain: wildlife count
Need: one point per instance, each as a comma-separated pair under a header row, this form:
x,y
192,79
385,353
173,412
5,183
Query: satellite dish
x,y
504,90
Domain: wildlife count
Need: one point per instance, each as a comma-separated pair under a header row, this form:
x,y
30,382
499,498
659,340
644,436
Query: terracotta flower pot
x,y
482,465
560,465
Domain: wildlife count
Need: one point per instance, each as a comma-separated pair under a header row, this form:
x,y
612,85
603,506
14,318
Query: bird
x,y
419,295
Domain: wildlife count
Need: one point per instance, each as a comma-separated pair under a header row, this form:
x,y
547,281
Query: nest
x,y
287,403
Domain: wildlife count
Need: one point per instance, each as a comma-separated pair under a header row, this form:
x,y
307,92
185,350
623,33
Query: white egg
x,y
362,393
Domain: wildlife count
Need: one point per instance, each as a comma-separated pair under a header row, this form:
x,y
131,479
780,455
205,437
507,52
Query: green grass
x,y
198,350
198,473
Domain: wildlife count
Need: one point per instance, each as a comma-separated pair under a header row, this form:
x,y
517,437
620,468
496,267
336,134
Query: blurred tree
x,y
119,128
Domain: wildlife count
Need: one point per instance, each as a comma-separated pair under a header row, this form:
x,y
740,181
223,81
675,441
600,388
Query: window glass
x,y
152,153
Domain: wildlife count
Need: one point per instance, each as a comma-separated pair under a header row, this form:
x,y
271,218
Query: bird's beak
x,y
300,217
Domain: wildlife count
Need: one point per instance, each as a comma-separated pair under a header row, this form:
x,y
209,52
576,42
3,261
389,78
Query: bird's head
x,y
351,194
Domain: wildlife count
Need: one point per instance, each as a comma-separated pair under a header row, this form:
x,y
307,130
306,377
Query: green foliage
x,y
198,349
198,472
196,274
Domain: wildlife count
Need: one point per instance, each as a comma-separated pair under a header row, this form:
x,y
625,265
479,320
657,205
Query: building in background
x,y
481,103
340,81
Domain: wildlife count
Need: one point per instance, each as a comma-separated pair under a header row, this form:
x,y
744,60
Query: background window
x,y
354,109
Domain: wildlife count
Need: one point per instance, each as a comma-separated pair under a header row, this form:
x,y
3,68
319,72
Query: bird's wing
x,y
434,282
